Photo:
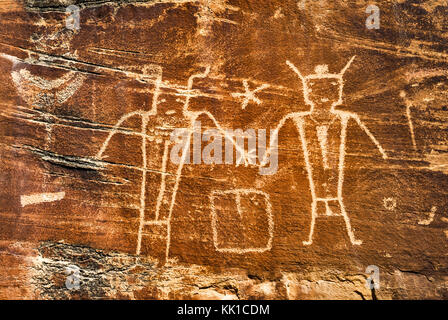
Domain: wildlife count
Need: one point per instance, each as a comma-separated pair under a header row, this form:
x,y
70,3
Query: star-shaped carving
x,y
249,95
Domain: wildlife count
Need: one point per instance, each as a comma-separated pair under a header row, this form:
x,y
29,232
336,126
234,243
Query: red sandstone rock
x,y
89,191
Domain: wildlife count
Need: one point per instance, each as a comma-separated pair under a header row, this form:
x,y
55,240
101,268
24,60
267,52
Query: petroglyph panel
x,y
286,145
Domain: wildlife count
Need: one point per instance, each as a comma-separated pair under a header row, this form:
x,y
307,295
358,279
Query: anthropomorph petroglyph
x,y
157,134
265,222
322,132
38,91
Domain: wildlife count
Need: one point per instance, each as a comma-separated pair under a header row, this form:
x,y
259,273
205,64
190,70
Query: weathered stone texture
x,y
77,181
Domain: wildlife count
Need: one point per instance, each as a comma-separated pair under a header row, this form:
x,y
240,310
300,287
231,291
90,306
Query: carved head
x,y
322,90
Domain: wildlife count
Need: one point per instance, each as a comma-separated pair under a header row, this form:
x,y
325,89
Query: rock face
x,y
177,149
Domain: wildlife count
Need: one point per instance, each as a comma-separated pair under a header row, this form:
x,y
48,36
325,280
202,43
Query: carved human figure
x,y
40,91
160,174
322,132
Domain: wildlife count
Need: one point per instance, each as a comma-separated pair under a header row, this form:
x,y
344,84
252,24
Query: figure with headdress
x,y
322,132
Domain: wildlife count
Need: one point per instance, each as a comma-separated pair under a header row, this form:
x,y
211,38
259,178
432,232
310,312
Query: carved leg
x,y
348,226
313,221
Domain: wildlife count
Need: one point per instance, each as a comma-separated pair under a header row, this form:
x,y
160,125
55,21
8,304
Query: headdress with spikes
x,y
321,71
